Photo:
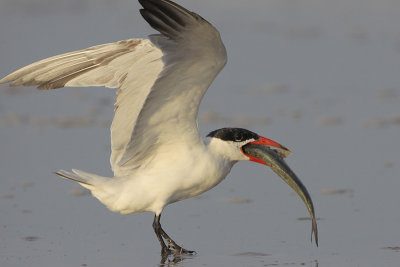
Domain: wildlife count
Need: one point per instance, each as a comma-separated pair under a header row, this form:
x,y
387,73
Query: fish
x,y
274,158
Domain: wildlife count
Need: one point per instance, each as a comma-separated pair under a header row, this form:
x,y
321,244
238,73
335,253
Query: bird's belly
x,y
153,188
141,194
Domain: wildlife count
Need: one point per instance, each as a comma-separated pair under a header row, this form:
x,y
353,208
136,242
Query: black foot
x,y
177,250
172,248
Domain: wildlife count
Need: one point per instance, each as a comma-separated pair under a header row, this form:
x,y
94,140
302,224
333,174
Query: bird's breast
x,y
197,175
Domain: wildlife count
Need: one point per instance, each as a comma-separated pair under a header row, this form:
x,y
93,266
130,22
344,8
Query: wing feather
x,y
131,65
193,55
160,81
56,72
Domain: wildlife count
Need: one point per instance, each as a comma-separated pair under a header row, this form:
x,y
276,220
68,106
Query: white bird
x,y
157,154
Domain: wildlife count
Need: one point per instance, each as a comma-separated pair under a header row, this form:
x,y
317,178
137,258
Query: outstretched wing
x,y
131,65
193,55
161,81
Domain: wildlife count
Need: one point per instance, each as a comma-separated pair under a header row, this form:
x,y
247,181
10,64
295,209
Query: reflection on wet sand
x,y
174,259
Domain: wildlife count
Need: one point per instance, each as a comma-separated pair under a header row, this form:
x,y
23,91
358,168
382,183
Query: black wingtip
x,y
166,17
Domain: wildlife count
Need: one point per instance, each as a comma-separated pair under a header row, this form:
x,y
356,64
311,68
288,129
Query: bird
x,y
157,154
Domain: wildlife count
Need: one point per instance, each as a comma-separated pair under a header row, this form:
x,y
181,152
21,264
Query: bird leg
x,y
160,233
157,229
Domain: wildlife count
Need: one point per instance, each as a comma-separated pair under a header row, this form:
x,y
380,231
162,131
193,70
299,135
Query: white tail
x,y
87,180
100,187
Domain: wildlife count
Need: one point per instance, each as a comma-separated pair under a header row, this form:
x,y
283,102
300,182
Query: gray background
x,y
319,76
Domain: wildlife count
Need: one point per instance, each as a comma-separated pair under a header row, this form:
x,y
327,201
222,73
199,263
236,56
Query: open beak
x,y
260,151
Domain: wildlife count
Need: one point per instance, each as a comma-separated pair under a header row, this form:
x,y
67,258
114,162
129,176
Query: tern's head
x,y
241,144
229,142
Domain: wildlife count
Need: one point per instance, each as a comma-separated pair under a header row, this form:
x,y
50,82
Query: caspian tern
x,y
157,154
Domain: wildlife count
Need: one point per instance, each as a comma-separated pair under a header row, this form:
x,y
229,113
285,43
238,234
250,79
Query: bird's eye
x,y
238,137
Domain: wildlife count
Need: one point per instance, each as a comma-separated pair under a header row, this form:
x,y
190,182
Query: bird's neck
x,y
217,150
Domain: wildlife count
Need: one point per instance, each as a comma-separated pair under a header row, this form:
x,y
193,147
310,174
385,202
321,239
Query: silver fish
x,y
274,159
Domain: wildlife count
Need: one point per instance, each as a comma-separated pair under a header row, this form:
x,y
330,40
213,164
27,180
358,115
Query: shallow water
x,y
318,77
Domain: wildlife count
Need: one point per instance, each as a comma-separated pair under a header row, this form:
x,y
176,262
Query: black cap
x,y
234,134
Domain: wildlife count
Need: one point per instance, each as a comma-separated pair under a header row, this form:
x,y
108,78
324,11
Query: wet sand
x,y
322,78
